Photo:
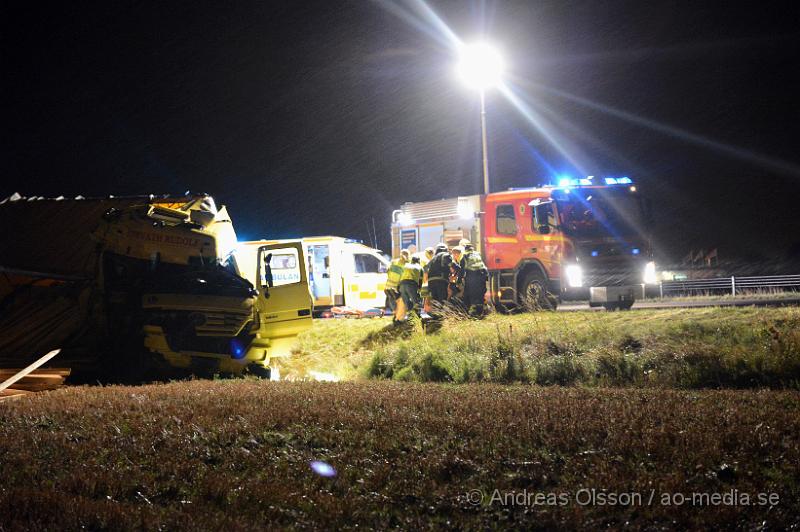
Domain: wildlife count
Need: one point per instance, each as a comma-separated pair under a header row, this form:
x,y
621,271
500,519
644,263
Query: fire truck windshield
x,y
600,212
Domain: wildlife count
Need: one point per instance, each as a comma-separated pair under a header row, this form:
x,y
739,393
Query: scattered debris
x,y
32,378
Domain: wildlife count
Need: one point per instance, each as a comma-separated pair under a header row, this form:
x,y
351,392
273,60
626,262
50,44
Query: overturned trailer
x,y
139,285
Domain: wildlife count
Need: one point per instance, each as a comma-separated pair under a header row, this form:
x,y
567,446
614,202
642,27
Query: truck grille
x,y
222,323
217,345
608,275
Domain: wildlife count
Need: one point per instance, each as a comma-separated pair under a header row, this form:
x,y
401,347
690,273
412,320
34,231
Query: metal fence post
x,y
661,290
733,285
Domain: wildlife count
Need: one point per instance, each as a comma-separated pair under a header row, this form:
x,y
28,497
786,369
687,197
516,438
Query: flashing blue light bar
x,y
587,181
569,182
595,253
635,251
618,180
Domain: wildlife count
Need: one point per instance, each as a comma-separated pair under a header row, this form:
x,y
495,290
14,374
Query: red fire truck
x,y
580,239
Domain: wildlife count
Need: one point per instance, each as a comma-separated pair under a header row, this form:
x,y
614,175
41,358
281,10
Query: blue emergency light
x,y
564,182
569,182
618,181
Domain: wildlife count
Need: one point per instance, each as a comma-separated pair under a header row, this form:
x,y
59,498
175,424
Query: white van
x,y
341,271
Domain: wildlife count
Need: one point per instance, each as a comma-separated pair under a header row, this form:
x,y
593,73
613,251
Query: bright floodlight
x,y
480,65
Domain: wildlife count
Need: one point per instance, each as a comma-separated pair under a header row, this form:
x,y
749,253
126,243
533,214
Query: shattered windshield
x,y
595,213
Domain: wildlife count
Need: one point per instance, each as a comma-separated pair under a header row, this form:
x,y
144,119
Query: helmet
x,y
405,254
459,250
463,242
440,248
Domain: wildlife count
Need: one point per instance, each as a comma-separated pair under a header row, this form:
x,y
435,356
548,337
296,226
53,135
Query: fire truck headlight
x,y
650,273
574,276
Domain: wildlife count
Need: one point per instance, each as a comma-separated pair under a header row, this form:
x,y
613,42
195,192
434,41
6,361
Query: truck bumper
x,y
600,296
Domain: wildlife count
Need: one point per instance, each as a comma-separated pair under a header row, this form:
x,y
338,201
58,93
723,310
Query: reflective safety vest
x,y
439,267
412,272
473,262
395,272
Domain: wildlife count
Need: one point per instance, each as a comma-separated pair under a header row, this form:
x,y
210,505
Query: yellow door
x,y
284,302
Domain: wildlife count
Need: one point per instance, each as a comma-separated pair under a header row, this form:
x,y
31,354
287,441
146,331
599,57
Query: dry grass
x,y
235,455
673,348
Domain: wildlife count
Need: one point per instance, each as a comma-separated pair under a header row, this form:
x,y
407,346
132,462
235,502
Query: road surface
x,y
655,304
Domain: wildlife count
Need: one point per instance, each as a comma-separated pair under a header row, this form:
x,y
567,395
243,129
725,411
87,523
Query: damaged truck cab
x,y
148,282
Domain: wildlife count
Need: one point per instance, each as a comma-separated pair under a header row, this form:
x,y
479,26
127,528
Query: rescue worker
x,y
439,273
410,282
475,276
392,290
429,253
456,277
424,293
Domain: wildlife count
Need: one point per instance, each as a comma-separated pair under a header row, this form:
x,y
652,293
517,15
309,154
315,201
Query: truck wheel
x,y
621,305
259,371
534,294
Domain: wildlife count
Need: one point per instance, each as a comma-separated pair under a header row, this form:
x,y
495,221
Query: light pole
x,y
481,66
483,143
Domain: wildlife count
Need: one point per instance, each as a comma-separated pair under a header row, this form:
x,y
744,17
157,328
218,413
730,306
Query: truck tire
x,y
259,371
534,295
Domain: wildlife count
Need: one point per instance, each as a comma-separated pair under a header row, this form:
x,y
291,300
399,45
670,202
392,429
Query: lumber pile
x,y
38,380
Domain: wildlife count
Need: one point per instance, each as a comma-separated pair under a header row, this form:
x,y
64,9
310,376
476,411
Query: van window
x,y
368,264
506,224
285,267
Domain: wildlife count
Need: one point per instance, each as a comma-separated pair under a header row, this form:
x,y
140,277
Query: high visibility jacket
x,y
395,272
473,262
412,272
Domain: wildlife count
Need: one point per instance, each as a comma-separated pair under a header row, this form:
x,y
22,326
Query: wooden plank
x,y
12,393
35,387
64,372
8,382
41,379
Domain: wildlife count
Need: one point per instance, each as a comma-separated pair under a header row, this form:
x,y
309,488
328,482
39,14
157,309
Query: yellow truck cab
x,y
340,272
133,286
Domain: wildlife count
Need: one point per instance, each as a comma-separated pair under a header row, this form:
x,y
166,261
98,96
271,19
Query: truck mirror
x,y
544,229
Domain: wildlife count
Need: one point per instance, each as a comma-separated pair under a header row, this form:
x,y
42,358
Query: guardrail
x,y
731,285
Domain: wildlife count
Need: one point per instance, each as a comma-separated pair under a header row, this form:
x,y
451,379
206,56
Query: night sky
x,y
316,117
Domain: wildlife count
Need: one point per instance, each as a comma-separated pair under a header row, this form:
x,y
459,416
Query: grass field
x,y
633,436
671,348
235,455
